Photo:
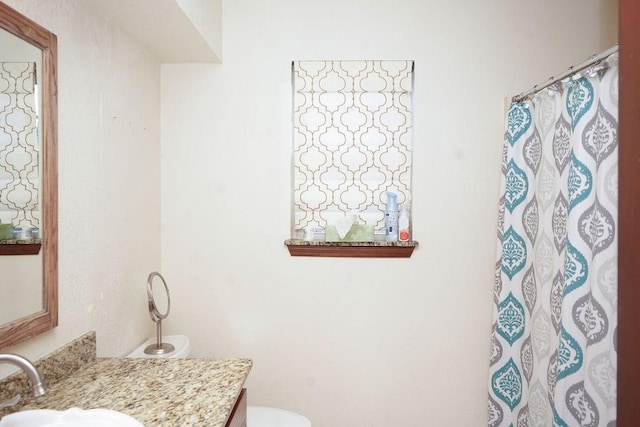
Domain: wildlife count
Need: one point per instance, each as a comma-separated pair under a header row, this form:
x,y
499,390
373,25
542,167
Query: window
x,y
352,136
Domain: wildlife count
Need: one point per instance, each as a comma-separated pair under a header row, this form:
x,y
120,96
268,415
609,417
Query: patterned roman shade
x,y
352,139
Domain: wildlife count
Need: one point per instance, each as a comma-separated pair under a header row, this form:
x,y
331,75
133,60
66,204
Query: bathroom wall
x,y
353,342
348,342
109,174
207,18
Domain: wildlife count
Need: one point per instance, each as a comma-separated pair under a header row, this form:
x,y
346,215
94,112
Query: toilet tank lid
x,y
180,342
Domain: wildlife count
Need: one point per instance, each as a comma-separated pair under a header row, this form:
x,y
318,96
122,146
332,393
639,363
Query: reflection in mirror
x,y
28,178
19,144
19,173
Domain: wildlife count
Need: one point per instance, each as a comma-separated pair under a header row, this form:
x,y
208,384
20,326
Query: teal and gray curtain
x,y
553,359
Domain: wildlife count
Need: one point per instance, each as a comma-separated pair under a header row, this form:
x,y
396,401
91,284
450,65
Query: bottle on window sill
x,y
403,224
391,218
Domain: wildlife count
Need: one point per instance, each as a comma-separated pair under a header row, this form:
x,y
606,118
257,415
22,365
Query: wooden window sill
x,y
20,247
351,249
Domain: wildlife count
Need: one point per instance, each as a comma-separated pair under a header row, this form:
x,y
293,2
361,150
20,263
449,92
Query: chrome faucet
x,y
38,387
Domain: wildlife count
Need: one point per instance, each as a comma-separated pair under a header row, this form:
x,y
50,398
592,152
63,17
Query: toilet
x,y
181,344
262,416
257,416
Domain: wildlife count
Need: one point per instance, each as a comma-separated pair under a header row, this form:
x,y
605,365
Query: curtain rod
x,y
595,59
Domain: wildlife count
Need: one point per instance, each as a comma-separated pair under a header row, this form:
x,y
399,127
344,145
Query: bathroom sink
x,y
73,417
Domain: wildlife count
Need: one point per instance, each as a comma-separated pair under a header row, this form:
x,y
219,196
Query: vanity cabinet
x,y
238,417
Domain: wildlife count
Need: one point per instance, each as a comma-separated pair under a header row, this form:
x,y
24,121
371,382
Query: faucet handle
x,y
9,403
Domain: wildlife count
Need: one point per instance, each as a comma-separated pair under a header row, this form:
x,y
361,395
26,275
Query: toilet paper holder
x,y
159,306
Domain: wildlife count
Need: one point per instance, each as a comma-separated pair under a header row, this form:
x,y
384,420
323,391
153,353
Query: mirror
x,y
20,201
159,306
31,292
158,297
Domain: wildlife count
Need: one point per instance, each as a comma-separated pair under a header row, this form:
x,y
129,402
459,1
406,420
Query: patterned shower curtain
x,y
553,358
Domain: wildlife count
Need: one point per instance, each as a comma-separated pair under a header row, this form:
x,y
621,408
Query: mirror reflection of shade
x,y
19,146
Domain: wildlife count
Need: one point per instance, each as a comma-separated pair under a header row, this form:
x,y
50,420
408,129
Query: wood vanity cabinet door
x,y
238,416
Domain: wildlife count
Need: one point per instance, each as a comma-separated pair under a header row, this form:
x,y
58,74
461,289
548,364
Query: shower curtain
x,y
553,352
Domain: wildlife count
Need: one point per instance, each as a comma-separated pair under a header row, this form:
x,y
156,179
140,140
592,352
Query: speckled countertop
x,y
382,244
156,392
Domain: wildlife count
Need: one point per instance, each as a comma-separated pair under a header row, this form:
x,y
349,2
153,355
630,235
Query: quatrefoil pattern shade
x,y
19,157
352,140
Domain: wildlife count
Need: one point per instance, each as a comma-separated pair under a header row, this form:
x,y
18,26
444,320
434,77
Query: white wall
x,y
352,342
206,16
109,173
348,342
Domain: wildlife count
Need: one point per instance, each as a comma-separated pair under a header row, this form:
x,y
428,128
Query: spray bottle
x,y
391,218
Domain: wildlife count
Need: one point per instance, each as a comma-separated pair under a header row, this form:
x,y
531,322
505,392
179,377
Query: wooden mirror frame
x,y
29,326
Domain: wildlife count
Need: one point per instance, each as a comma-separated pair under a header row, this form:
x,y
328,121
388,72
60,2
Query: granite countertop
x,y
157,392
377,243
